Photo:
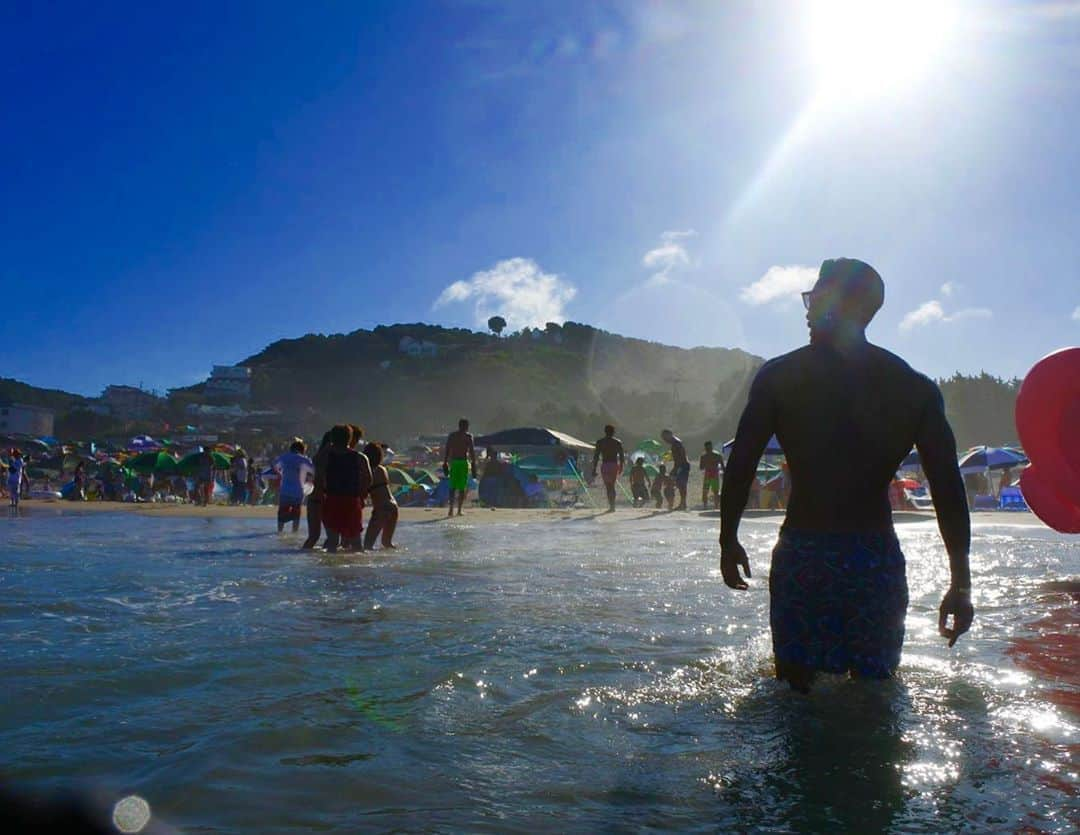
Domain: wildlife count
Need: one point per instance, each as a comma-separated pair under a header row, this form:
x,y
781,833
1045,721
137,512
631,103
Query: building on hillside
x,y
229,383
129,402
20,419
417,347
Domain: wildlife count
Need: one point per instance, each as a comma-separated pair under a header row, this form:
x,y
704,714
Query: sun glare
x,y
872,47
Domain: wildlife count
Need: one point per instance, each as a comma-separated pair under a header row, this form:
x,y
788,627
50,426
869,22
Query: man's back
x,y
845,422
609,448
458,444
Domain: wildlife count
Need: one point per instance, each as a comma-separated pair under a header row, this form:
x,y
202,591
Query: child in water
x,y
669,490
639,483
658,486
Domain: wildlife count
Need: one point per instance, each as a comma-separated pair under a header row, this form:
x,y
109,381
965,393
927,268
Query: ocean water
x,y
585,675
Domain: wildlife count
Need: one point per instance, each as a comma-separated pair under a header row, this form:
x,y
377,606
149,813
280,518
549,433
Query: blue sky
x,y
183,187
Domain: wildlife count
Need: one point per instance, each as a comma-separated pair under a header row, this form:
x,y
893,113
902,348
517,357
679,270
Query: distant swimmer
x,y
458,452
712,464
639,482
680,465
846,414
611,459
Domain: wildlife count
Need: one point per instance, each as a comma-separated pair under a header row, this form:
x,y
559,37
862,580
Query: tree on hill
x,y
497,324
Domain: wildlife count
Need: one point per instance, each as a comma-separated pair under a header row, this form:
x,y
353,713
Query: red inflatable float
x,y
1048,420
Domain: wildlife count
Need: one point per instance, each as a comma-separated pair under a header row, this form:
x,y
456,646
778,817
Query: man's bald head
x,y
849,289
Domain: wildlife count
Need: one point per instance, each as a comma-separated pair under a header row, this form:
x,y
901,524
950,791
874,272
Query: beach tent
x,y
526,438
771,448
423,475
545,467
399,477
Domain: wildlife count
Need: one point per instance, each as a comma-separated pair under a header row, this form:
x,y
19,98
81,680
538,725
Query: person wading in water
x,y
846,414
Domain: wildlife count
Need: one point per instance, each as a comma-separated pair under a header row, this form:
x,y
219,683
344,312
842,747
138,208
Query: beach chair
x,y
1012,499
919,498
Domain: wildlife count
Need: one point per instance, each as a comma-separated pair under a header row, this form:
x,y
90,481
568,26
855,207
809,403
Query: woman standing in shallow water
x,y
315,500
384,510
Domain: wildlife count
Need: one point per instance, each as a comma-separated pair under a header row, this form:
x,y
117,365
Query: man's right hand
x,y
732,558
446,470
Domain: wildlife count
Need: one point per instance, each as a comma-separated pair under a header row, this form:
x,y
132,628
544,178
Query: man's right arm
x,y
937,453
756,426
595,458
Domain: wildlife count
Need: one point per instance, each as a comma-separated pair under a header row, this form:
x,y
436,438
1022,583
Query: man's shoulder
x,y
901,368
784,363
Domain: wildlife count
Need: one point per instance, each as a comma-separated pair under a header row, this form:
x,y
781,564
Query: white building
x,y
128,402
229,382
19,419
417,347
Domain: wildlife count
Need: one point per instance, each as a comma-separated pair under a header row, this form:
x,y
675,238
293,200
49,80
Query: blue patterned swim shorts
x,y
837,601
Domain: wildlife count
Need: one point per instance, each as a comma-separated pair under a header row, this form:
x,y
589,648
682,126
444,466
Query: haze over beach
x,y
479,415
184,189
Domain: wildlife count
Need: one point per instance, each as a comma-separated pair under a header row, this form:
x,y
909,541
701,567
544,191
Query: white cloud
x,y
948,288
516,289
1076,315
779,283
669,256
930,312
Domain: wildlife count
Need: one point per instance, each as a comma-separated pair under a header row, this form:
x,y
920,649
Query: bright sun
x,y
869,47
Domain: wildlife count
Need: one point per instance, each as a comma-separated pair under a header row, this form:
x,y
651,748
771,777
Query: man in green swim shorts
x,y
458,452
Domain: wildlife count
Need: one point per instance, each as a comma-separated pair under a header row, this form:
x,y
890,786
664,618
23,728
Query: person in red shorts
x,y
348,479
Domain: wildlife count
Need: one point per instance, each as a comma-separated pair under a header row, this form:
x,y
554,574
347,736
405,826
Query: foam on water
x,y
583,675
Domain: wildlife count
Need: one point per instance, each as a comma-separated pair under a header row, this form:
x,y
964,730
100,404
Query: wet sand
x,y
478,515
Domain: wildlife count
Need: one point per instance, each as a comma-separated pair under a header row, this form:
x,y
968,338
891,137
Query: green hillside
x,y
573,377
14,391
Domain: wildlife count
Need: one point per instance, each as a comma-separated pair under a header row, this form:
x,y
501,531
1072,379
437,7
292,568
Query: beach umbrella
x,y
771,448
190,464
151,462
980,458
651,446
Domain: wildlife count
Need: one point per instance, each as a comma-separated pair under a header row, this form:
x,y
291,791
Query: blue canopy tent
x,y
771,448
526,439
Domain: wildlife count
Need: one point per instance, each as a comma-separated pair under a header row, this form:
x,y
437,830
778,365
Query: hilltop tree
x,y
497,324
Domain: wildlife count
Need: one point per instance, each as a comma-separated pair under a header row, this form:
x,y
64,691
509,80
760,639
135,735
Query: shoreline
x,y
480,515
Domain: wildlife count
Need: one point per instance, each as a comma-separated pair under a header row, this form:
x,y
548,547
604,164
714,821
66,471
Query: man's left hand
x,y
732,558
957,602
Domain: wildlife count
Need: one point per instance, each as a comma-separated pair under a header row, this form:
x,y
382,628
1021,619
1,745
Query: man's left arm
x,y
937,452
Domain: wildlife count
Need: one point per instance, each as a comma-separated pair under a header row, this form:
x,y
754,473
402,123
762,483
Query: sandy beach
x,y
478,515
